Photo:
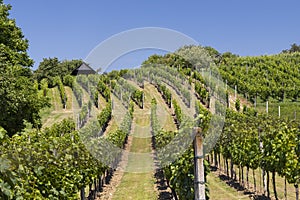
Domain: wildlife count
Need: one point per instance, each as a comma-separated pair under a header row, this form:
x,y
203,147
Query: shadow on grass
x,y
162,186
238,187
232,183
260,197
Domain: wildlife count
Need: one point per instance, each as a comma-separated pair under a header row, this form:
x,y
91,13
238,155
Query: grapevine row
x,y
180,173
62,91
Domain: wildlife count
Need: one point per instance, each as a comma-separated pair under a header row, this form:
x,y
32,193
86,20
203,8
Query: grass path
x,y
220,190
135,177
138,180
259,182
69,93
56,113
164,114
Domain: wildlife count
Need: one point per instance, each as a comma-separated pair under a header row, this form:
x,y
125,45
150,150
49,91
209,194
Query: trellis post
x,y
199,182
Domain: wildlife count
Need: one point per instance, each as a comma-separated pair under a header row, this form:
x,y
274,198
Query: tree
x,y
294,48
18,96
13,46
196,55
214,54
19,102
52,67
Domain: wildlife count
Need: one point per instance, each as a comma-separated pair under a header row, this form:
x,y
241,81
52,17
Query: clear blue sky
x,y
70,29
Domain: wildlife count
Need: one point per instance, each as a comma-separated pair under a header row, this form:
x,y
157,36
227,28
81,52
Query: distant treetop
x,y
294,48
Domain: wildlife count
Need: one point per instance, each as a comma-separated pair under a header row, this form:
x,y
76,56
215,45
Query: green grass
x,y
69,94
56,99
259,182
220,190
287,109
279,184
101,102
163,112
112,127
55,118
141,145
142,119
56,113
45,112
138,181
136,186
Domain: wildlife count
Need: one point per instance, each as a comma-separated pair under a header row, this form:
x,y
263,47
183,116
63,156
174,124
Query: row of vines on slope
x,y
180,173
59,164
254,141
275,76
49,164
126,92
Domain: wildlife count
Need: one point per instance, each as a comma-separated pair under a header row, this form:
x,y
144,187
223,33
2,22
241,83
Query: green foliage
x,y
104,90
202,92
240,141
131,108
196,55
275,76
177,111
175,79
180,173
77,92
52,67
68,80
138,96
83,115
126,92
57,82
95,96
13,46
19,99
166,94
52,164
3,135
105,116
204,117
44,87
119,136
154,122
214,54
238,105
294,48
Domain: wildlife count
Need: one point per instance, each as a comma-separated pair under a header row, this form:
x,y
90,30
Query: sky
x,y
71,29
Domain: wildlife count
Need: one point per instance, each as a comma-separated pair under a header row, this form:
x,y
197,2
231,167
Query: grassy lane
x,y
55,99
259,182
220,190
137,186
138,180
69,93
56,113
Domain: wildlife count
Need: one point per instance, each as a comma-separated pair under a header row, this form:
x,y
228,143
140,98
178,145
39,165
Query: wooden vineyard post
x,y
235,92
199,182
261,147
143,100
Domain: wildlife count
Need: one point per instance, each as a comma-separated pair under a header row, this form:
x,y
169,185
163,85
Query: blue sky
x,y
70,29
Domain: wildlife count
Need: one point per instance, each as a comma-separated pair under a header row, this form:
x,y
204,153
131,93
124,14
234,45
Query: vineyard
x,y
192,124
62,165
